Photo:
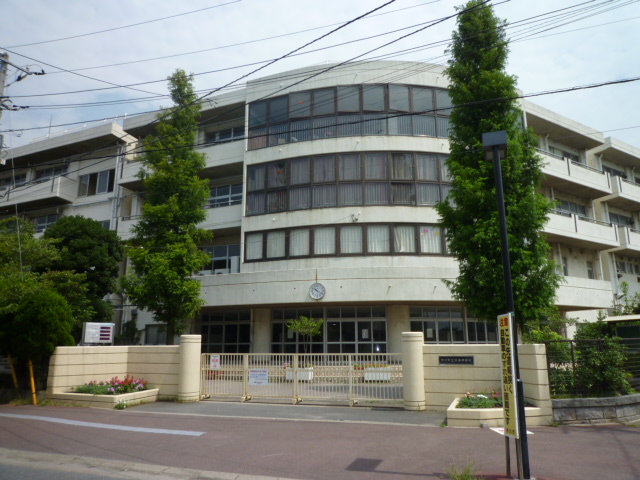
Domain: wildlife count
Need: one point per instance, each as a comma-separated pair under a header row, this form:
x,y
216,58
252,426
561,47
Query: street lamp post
x,y
495,146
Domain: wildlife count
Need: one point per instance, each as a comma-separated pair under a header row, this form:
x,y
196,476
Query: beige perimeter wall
x,y
73,366
444,383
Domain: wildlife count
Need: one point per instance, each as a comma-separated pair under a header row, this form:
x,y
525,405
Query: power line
x,y
124,26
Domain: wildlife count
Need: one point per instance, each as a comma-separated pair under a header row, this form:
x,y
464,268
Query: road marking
x,y
104,425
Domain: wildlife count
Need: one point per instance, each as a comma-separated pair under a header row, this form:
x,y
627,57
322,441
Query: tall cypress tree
x,y
483,95
164,250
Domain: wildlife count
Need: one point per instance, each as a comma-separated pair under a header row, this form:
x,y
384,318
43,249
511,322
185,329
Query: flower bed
x,y
109,401
491,417
115,393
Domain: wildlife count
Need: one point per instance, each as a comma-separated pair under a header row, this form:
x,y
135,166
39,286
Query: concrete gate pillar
x,y
189,368
413,371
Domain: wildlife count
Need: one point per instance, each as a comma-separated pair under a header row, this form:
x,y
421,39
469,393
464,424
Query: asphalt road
x,y
232,441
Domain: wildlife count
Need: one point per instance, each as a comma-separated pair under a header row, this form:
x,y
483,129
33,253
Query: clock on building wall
x,y
317,291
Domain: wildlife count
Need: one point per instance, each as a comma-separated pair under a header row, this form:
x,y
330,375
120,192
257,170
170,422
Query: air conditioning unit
x,y
218,271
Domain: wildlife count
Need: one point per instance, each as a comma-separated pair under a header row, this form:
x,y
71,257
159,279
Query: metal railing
x,y
352,378
583,368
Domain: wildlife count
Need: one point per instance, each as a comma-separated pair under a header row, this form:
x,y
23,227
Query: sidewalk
x,y
303,442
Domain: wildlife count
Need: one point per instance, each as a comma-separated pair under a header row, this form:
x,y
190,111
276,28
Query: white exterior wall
x,y
396,282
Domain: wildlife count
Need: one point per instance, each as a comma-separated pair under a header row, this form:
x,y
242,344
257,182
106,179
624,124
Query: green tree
x,y
483,97
43,321
25,267
307,328
87,247
164,250
601,360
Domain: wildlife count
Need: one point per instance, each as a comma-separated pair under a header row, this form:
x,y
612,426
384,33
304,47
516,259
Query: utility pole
x,y
4,66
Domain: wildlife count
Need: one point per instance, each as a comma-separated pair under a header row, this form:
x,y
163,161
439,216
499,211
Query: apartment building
x,y
323,186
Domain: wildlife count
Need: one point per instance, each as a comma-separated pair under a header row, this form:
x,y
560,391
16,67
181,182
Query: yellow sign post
x,y
508,377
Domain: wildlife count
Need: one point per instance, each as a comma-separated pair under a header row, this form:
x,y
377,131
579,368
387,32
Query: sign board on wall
x,y
508,376
101,333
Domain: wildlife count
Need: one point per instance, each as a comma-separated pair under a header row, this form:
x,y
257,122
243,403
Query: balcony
x,y
54,191
577,293
218,219
222,160
581,180
624,194
580,231
629,241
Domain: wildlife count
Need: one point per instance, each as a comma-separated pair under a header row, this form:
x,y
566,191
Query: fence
x,y
352,378
593,368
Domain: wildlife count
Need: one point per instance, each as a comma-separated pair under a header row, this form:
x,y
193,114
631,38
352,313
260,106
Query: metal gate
x,y
333,378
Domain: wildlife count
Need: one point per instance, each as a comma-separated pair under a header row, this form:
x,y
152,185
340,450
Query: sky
x,y
122,51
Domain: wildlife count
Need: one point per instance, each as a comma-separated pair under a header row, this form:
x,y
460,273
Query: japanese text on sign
x,y
508,376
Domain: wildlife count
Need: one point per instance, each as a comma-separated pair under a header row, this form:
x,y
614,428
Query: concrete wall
x,y
159,365
444,383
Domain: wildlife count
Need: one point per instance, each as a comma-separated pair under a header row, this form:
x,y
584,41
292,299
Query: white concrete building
x,y
323,188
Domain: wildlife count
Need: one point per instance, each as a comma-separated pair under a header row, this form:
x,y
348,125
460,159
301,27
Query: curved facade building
x,y
323,187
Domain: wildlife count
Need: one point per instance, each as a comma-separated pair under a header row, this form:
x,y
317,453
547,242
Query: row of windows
x,y
225,135
19,179
374,239
347,329
372,178
349,110
45,174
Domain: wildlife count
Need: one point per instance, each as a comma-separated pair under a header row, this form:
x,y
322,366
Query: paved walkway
x,y
224,441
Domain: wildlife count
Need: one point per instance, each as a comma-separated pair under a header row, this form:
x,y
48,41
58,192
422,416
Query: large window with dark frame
x,y
347,179
347,329
349,110
344,240
450,325
226,331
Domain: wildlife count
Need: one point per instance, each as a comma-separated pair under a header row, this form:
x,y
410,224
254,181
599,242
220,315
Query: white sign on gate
x,y
259,376
214,362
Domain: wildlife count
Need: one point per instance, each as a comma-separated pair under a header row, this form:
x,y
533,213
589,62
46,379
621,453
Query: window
x,y
96,183
349,179
45,221
565,266
155,335
622,220
345,110
253,246
571,207
448,325
226,331
46,173
223,259
373,239
19,179
225,135
559,152
591,273
225,195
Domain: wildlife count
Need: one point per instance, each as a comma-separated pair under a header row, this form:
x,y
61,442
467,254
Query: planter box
x,y
382,374
108,401
492,417
304,374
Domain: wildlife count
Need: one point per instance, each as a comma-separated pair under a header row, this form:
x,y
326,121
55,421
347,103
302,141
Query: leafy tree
x,y
307,328
164,251
483,97
42,322
87,247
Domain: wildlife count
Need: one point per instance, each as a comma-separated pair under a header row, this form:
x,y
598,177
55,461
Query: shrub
x,y
481,400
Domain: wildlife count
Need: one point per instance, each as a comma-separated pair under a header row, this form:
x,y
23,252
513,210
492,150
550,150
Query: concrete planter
x,y
381,374
304,374
492,417
108,401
